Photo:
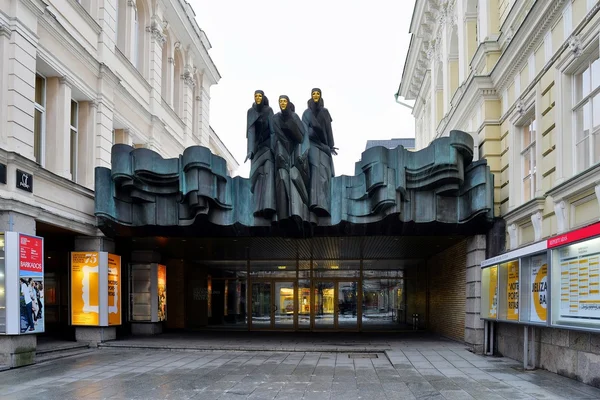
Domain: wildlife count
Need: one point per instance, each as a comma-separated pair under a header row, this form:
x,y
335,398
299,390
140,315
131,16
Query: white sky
x,y
354,50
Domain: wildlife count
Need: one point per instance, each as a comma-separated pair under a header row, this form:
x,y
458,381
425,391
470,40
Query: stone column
x,y
107,19
204,109
87,143
187,112
470,39
473,324
19,47
104,117
95,334
58,122
17,350
157,41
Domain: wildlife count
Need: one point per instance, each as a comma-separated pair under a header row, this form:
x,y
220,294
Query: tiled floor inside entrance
x,y
407,369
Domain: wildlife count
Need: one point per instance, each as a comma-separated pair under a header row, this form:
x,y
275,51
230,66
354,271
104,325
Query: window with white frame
x,y
587,114
39,119
74,138
528,159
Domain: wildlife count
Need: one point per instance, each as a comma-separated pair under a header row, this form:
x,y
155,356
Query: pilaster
x,y
476,246
204,110
58,119
157,41
107,19
187,114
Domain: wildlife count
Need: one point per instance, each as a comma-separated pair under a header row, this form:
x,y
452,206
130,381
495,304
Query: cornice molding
x,y
529,36
522,214
86,16
132,69
576,184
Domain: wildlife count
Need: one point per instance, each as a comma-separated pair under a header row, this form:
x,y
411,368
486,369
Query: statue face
x,y
316,96
258,98
283,103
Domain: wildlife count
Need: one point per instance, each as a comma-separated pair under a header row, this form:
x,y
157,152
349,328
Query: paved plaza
x,y
417,368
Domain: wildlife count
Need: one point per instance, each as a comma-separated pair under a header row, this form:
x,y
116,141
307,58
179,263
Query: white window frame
x,y
42,109
529,149
593,135
74,140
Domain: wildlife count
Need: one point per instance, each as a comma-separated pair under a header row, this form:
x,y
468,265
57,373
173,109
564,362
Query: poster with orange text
x,y
85,307
512,291
114,289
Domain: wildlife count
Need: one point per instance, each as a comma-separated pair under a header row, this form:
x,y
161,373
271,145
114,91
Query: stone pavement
x,y
424,368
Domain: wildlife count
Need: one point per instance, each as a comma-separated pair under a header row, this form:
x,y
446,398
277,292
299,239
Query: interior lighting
x,y
335,267
281,267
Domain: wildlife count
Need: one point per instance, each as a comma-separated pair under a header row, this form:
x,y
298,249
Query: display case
x,y
576,285
148,292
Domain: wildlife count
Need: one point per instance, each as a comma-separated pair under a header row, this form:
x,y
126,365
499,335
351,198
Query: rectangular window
x,y
587,115
528,160
74,138
39,119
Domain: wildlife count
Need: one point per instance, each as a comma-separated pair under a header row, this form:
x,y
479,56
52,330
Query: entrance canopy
x,y
435,191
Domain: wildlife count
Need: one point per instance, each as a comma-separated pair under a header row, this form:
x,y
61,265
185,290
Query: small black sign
x,y
24,181
2,173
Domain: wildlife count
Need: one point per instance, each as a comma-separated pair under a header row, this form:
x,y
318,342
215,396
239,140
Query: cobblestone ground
x,y
158,374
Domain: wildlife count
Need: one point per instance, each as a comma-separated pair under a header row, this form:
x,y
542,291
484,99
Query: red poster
x,y
31,250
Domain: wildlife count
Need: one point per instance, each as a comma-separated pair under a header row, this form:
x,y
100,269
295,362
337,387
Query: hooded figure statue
x,y
260,154
318,122
291,163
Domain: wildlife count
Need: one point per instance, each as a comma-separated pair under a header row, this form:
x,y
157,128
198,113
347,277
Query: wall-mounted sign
x,y
24,181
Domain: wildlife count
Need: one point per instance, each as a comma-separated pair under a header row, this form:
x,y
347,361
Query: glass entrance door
x,y
273,304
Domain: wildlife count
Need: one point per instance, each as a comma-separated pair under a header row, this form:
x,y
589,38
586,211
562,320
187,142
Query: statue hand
x,y
249,156
334,151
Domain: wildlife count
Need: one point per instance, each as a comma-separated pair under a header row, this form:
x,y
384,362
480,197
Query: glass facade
x,y
303,294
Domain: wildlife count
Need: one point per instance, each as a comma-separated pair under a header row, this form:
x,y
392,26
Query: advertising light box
x,y
23,283
535,296
489,292
95,289
576,285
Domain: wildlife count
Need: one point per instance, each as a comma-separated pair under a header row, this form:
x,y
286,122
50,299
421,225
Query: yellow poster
x,y
114,289
162,292
493,292
539,293
512,291
84,288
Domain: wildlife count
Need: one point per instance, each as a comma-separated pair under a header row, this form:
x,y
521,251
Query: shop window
x,y
528,160
586,113
39,119
74,138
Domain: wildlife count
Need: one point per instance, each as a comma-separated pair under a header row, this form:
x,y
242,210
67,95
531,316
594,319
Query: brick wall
x,y
570,353
446,273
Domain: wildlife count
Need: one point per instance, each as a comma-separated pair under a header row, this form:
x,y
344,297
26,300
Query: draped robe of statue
x,y
291,163
318,122
262,168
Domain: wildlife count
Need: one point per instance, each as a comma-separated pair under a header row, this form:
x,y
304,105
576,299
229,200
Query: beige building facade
x,y
523,78
77,77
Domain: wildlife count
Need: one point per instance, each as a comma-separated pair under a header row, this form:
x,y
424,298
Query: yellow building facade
x,y
523,77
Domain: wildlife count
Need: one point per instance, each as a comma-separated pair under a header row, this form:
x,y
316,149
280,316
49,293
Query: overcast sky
x,y
354,50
